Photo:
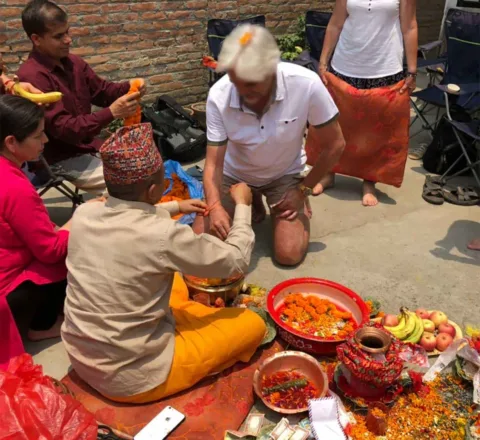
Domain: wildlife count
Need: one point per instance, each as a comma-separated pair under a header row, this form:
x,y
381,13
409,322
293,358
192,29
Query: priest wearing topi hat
x,y
130,331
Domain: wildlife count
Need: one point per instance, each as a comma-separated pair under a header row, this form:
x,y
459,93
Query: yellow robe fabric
x,y
207,341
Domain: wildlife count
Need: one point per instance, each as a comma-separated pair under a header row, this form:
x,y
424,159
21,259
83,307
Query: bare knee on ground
x,y
291,240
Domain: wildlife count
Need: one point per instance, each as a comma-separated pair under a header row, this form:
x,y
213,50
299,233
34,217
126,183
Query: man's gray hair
x,y
251,52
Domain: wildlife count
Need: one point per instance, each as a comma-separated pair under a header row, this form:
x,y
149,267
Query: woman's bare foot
x,y
52,332
327,182
258,208
474,245
369,196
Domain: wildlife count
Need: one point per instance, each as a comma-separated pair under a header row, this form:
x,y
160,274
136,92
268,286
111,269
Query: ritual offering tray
x,y
214,291
316,315
287,380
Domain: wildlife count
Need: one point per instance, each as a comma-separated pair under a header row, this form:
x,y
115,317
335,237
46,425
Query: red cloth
x,y
30,248
215,404
70,125
375,123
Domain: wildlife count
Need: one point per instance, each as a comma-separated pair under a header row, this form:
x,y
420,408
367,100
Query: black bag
x,y
444,149
177,135
305,60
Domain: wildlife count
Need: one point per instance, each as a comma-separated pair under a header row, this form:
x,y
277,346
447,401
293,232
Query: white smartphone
x,y
162,425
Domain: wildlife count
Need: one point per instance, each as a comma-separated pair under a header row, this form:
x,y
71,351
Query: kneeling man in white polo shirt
x,y
256,119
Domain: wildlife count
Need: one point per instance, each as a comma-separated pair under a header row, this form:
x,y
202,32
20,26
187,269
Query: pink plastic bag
x,y
31,408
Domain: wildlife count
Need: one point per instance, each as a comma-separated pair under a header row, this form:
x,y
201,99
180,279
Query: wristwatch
x,y
306,191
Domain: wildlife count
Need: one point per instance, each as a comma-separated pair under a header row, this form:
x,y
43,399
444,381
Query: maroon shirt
x,y
70,125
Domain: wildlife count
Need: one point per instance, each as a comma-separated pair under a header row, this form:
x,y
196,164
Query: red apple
x,y
447,328
443,341
390,320
438,318
423,313
428,326
428,341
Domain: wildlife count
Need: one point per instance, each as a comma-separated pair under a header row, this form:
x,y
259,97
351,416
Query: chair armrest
x,y
430,46
465,89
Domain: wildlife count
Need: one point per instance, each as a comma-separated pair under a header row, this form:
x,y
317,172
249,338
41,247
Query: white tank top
x,y
371,41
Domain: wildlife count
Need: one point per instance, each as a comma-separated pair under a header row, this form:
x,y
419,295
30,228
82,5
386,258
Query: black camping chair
x,y
467,134
316,23
462,66
44,179
217,30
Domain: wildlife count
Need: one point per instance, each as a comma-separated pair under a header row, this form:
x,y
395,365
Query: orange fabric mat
x,y
375,124
214,405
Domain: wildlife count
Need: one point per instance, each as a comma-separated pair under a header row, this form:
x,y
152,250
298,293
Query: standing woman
x,y
368,40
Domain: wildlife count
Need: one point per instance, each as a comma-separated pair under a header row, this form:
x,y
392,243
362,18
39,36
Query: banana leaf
x,y
271,332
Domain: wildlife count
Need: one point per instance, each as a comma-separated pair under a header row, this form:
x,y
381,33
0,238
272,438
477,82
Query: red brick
x,y
143,7
196,4
94,19
111,48
10,12
178,14
84,50
106,9
79,31
160,79
21,47
123,18
15,24
190,23
97,39
97,59
107,28
153,16
78,9
137,27
124,38
104,68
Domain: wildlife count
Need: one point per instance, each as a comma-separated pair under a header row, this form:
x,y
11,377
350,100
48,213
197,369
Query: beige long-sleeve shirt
x,y
122,256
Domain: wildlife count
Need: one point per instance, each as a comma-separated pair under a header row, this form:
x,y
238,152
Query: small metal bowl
x,y
227,292
287,360
373,340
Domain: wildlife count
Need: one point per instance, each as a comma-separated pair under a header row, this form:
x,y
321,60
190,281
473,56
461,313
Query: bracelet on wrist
x,y
412,74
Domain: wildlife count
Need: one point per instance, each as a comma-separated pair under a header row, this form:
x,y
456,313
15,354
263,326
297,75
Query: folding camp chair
x,y
217,30
467,134
316,23
462,31
44,179
435,66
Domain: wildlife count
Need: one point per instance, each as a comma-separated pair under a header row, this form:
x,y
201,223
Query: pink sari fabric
x,y
30,248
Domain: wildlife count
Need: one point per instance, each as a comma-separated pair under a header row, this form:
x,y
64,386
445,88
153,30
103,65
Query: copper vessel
x,y
288,360
373,340
228,292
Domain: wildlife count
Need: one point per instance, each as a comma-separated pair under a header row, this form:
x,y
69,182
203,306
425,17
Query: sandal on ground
x,y
432,193
437,180
417,152
460,195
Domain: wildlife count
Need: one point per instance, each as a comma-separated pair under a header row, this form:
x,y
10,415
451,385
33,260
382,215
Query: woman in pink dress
x,y
32,250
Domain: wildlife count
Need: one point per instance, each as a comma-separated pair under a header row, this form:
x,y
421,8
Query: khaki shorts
x,y
273,191
85,172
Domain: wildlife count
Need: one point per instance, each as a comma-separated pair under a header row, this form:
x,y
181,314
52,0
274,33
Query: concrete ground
x,y
403,252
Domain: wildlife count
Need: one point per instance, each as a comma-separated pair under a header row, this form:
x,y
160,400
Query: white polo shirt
x,y
261,150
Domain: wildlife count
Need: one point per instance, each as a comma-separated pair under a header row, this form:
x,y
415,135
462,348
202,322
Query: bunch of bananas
x,y
409,328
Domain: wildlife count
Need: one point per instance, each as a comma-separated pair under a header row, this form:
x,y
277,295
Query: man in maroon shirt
x,y
70,125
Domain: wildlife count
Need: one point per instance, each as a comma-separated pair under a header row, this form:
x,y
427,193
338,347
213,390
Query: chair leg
x,y
426,125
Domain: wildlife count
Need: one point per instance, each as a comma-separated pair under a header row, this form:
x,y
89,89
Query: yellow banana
x,y
37,98
417,332
405,328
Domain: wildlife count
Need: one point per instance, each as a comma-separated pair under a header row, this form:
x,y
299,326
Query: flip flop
x,y
432,192
462,195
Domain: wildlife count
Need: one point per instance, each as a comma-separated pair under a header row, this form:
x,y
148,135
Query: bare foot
x,y
369,196
327,182
474,245
52,332
258,208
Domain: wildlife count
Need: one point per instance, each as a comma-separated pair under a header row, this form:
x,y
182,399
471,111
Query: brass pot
x,y
227,292
373,340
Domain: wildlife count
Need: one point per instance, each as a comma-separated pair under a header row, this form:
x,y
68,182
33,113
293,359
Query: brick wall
x,y
164,41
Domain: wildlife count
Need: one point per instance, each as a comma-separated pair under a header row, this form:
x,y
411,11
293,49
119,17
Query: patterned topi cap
x,y
130,155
